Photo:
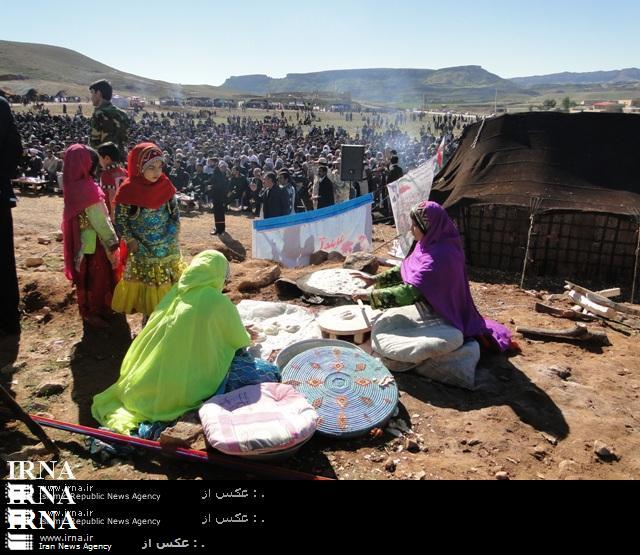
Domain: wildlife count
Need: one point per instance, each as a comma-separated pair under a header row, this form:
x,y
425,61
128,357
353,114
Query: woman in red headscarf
x,y
148,220
90,242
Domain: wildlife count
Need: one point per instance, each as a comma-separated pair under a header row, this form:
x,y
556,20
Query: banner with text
x,y
405,194
291,240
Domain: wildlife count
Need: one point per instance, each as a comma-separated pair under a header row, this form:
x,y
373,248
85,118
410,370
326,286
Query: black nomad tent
x,y
578,175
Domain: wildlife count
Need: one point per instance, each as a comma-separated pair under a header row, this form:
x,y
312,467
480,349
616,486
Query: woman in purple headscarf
x,y
435,272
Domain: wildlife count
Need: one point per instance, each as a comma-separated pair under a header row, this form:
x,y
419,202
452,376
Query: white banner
x,y
291,240
405,194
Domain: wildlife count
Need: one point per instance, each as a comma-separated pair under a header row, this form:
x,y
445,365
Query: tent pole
x,y
536,203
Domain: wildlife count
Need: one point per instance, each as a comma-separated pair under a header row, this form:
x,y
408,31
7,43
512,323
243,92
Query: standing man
x,y
109,123
275,201
324,195
219,192
284,180
10,153
395,171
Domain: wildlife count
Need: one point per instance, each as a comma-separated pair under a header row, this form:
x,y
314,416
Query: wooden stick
x,y
578,333
610,293
592,306
20,414
566,314
599,299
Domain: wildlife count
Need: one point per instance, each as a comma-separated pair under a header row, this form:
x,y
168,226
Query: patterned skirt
x,y
145,282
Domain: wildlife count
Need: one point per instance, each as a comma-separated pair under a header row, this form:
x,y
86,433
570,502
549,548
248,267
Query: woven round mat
x,y
352,391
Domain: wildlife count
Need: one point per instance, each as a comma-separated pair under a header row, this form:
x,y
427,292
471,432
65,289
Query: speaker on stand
x,y
352,166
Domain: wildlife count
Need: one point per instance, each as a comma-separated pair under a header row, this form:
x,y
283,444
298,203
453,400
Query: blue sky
x,y
194,41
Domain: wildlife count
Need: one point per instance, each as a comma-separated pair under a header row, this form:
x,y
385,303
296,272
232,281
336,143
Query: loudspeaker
x,y
352,168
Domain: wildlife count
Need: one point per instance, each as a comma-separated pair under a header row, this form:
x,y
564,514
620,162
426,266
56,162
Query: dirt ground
x,y
537,415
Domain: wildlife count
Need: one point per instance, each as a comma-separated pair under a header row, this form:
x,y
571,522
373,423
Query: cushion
x,y
457,368
413,334
258,420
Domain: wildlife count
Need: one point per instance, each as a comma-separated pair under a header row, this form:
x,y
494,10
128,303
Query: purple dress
x,y
436,267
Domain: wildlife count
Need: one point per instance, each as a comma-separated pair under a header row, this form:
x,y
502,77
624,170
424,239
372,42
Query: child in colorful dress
x,y
91,254
148,220
113,174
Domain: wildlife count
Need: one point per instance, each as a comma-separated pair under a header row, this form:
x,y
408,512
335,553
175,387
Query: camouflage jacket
x,y
109,124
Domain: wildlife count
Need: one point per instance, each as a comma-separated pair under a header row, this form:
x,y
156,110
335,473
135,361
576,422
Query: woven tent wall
x,y
571,245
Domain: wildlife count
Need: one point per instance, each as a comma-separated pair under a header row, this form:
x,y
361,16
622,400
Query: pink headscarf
x,y
80,191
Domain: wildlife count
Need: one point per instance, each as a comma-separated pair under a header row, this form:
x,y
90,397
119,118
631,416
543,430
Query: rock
x,y
563,373
44,241
46,311
552,440
46,389
377,457
422,475
502,476
29,453
263,278
362,262
474,442
604,452
59,236
539,452
34,262
391,466
412,445
183,434
336,256
318,257
230,254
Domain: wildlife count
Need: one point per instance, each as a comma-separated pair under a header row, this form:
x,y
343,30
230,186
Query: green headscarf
x,y
182,355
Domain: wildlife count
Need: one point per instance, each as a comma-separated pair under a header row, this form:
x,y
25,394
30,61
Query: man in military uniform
x,y
109,123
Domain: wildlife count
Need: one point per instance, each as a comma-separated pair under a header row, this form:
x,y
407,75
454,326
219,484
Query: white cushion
x,y
413,334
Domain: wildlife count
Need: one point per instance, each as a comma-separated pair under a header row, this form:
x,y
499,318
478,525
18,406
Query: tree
x,y
549,104
567,103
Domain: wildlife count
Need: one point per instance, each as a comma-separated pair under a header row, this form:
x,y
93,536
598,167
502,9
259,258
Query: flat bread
x,y
333,283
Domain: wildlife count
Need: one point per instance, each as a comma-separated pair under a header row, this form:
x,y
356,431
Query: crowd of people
x,y
269,166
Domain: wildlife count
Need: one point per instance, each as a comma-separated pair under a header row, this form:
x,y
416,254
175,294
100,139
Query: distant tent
x,y
584,170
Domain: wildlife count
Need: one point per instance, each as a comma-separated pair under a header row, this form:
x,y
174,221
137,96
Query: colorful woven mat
x,y
352,391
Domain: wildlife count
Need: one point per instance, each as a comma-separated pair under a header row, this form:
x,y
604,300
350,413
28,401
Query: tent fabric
x,y
576,162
